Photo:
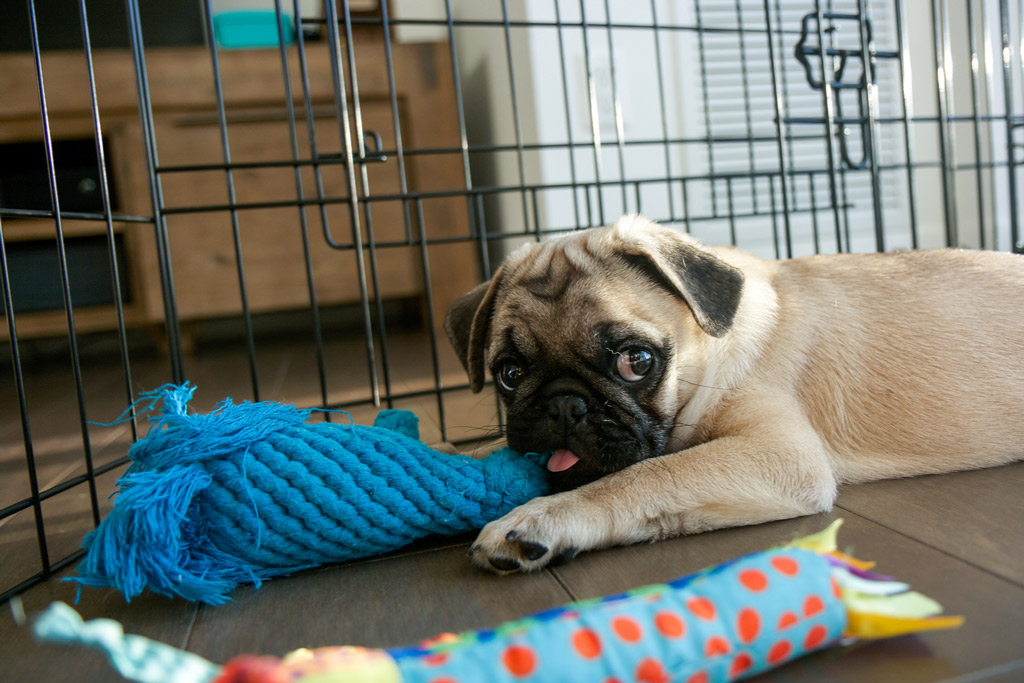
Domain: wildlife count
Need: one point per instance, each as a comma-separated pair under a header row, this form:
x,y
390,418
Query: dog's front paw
x,y
533,536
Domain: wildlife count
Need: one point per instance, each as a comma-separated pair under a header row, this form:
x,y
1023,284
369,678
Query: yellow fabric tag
x,y
860,625
822,542
862,565
910,605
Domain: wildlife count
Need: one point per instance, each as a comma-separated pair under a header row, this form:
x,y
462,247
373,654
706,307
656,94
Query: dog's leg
x,y
731,481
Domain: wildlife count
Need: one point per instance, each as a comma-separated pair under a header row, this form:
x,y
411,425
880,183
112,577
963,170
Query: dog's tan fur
x,y
835,369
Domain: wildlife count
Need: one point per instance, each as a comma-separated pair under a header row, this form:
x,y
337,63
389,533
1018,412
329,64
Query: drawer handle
x,y
372,153
374,145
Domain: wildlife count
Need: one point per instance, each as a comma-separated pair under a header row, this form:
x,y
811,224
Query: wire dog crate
x,y
285,212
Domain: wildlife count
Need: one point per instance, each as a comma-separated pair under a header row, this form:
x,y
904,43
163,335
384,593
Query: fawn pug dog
x,y
683,388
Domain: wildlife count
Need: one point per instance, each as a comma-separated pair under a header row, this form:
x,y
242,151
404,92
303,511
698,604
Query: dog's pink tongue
x,y
562,460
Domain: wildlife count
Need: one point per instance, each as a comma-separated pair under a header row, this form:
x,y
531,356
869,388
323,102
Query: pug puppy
x,y
682,388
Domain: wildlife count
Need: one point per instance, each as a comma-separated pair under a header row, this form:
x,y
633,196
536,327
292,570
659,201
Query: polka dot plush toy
x,y
725,623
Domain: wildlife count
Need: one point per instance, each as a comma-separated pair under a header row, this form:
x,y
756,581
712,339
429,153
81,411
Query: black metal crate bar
x,y
289,221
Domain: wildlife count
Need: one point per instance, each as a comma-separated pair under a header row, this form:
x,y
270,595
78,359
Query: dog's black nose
x,y
566,410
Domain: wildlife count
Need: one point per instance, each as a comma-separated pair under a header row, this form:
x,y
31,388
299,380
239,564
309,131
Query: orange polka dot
x,y
699,677
739,665
444,680
586,643
612,680
715,646
748,624
815,637
519,660
813,605
754,580
669,624
779,652
702,607
786,620
836,590
785,565
650,670
627,629
435,659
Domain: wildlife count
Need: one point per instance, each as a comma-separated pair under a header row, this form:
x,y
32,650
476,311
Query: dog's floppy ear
x,y
710,287
467,323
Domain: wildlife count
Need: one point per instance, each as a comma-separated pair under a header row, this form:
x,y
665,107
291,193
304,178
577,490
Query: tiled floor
x,y
958,538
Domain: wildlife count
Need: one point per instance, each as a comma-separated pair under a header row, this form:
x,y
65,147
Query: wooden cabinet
x,y
272,242
264,238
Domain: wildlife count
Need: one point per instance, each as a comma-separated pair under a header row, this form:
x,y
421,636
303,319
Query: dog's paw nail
x,y
503,564
564,556
532,551
512,535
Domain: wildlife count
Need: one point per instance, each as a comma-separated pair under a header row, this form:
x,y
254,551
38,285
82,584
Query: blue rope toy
x,y
251,491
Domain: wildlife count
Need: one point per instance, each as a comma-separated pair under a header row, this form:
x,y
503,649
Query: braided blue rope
x,y
251,491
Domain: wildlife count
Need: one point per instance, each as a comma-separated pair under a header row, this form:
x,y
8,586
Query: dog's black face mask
x,y
588,407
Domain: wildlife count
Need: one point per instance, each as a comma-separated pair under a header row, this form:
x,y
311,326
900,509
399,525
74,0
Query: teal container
x,y
252,28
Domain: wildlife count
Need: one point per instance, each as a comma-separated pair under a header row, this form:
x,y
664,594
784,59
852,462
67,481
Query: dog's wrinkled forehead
x,y
547,270
542,302
554,291
551,270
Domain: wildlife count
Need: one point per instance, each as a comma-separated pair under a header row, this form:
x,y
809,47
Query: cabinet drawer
x,y
203,246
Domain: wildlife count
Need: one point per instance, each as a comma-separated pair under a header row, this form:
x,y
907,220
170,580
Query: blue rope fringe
x,y
251,491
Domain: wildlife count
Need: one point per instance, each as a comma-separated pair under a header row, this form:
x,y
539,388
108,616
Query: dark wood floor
x,y
958,538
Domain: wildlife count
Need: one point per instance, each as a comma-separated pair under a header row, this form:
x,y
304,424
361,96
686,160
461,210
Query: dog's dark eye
x,y
510,375
633,365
